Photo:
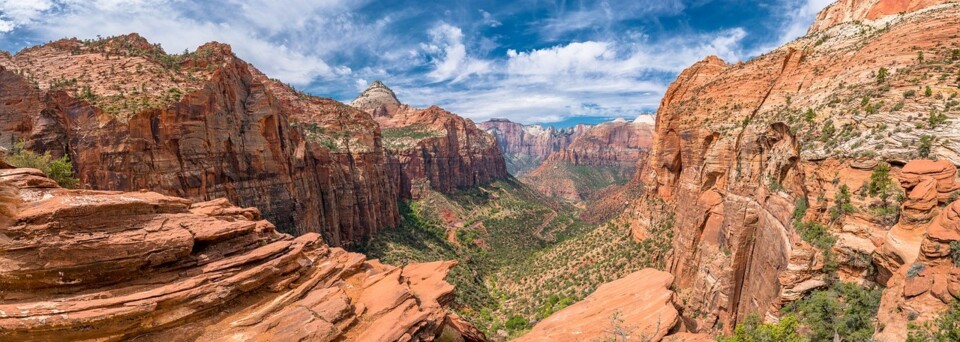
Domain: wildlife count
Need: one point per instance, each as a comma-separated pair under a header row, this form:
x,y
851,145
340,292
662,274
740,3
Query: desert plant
x,y
59,170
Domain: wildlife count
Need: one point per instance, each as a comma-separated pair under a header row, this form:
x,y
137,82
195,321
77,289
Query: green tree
x,y
845,310
928,92
880,182
920,57
882,75
841,204
753,330
926,146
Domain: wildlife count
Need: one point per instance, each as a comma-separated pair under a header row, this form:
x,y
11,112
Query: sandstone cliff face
x,y
601,156
432,148
111,266
202,126
526,147
738,147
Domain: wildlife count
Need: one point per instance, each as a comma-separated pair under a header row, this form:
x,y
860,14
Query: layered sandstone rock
x,y
204,125
105,265
844,11
603,155
638,306
526,147
739,146
432,148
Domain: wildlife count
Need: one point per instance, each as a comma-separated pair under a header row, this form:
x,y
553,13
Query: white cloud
x,y
451,62
488,19
14,13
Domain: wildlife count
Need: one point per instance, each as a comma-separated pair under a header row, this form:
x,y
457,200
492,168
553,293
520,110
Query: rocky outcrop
x,y
638,306
220,128
110,266
739,147
378,100
526,147
432,148
844,11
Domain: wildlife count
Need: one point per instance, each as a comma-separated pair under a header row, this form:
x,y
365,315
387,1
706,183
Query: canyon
x,y
810,192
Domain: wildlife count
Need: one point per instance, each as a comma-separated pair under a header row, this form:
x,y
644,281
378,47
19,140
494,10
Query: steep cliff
x,y
105,265
202,125
526,147
748,157
432,148
602,155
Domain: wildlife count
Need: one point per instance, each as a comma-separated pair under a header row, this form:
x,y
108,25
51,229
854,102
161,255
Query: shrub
x,y
842,204
926,146
846,310
928,92
936,119
59,170
915,270
955,55
753,330
816,234
882,75
516,323
944,328
880,182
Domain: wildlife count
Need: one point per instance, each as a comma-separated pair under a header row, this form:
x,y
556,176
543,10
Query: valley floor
x,y
522,256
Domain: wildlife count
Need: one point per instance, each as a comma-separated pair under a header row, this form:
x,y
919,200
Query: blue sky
x,y
531,61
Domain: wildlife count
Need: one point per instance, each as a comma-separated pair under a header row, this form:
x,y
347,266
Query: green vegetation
x,y
59,170
841,204
880,183
882,75
407,136
846,310
936,119
926,146
754,330
945,328
928,92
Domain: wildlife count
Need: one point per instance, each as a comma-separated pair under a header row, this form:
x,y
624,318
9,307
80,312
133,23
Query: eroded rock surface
x,y
639,305
106,265
432,148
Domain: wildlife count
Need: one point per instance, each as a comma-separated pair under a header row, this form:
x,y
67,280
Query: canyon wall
x,y
432,148
202,126
740,147
526,147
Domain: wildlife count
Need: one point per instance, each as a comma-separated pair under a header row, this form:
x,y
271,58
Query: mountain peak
x,y
378,100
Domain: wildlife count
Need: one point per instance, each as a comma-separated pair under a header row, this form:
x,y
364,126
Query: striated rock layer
x,y
432,148
526,147
739,147
602,155
110,266
217,128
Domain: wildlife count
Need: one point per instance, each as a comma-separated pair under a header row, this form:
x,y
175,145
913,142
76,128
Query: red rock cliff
x,y
432,148
738,146
202,126
526,147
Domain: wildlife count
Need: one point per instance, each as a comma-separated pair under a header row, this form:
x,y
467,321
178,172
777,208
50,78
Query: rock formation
x,y
739,147
638,306
107,265
203,125
432,148
602,155
526,147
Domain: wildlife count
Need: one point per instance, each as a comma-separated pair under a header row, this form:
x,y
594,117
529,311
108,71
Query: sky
x,y
531,61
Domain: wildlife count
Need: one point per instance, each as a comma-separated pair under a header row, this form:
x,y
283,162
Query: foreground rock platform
x,y
110,266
